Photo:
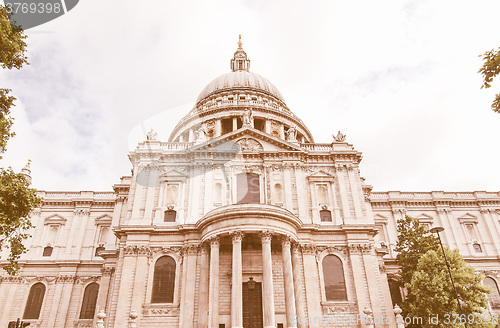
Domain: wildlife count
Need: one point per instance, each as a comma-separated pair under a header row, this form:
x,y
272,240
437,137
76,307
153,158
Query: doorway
x,y
252,304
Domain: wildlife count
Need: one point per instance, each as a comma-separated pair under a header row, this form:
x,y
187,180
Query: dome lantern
x,y
240,61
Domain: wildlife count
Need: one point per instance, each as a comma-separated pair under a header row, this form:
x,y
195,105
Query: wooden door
x,y
252,304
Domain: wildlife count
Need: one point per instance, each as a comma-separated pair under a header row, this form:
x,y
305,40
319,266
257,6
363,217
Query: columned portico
x,y
237,281
267,281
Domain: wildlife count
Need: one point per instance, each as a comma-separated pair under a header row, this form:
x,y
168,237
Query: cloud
x,y
398,77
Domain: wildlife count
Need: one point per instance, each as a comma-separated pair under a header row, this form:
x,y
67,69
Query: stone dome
x,y
239,99
240,80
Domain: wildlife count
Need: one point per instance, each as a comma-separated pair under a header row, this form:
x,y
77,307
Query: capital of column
x,y
286,241
214,241
266,236
190,249
295,247
203,248
236,236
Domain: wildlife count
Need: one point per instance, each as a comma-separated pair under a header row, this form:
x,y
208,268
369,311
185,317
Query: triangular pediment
x,y
246,139
468,218
170,174
425,218
103,220
55,219
320,174
380,218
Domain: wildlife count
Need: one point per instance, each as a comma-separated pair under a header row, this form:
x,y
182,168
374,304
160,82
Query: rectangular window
x,y
248,188
170,216
325,216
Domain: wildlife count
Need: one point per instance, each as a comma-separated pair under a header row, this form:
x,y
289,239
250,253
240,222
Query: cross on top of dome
x,y
240,62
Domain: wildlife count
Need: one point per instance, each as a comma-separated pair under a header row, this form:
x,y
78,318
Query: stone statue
x,y
339,138
200,134
247,117
152,135
291,134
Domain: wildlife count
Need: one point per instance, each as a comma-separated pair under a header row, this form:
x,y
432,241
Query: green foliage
x,y
17,199
429,291
16,202
12,44
434,294
413,242
490,69
12,55
6,120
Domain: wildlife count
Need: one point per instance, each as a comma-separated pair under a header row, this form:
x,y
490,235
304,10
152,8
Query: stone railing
x,y
317,147
176,145
434,195
72,194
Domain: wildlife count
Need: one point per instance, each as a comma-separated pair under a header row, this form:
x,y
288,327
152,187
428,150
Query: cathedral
x,y
240,219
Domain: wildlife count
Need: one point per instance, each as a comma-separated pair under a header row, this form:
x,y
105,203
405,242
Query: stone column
x,y
288,279
297,281
237,283
191,136
203,301
106,272
235,123
218,128
213,297
267,281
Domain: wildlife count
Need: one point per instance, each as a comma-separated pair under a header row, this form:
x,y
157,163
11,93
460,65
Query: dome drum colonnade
x,y
229,100
254,219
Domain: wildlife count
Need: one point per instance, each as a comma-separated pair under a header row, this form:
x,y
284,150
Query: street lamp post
x,y
437,230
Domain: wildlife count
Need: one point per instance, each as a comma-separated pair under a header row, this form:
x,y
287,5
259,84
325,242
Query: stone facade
x,y
239,219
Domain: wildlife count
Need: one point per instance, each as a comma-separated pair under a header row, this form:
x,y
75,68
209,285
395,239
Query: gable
x,y
173,175
103,220
246,140
55,219
468,218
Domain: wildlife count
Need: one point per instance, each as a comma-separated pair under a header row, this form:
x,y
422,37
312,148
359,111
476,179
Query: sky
x,y
398,78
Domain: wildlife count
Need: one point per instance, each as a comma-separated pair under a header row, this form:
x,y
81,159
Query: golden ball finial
x,y
240,44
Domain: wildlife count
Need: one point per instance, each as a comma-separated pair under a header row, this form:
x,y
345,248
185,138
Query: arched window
x,y
278,193
494,296
47,251
35,300
164,280
89,301
395,292
333,277
218,193
248,188
322,194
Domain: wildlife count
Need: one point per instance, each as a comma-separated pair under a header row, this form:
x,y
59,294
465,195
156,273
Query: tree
x,y
413,242
490,69
425,277
17,199
434,296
